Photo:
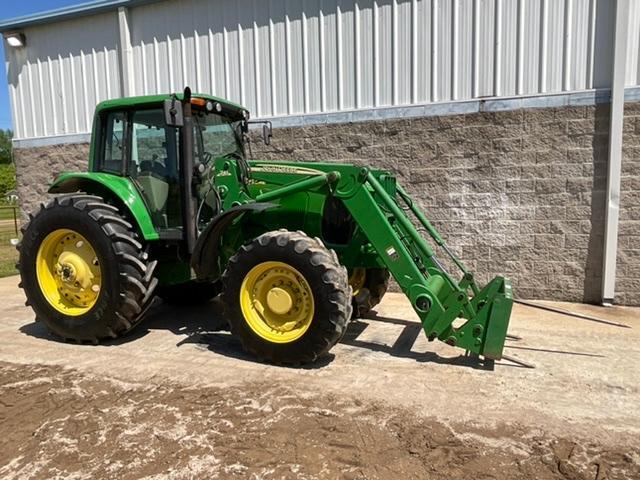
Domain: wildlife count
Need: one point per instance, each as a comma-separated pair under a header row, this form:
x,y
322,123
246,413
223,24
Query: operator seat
x,y
152,178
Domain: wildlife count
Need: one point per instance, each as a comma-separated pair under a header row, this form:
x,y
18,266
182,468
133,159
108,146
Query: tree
x,y
7,180
7,168
5,146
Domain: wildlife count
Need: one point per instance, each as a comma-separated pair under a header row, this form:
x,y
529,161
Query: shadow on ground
x,y
205,327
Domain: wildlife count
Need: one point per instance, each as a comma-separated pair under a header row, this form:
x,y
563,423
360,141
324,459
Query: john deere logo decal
x,y
286,169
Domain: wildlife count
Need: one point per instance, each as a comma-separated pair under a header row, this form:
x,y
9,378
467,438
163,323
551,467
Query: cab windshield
x,y
216,136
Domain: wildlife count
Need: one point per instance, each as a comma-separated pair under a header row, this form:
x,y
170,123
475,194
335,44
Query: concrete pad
x,y
585,380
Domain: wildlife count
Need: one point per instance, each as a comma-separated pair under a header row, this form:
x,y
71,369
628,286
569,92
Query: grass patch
x,y
8,253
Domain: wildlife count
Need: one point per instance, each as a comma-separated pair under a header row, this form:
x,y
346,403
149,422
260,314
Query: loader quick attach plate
x,y
487,318
498,321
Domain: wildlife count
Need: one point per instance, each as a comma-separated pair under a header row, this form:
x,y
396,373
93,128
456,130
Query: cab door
x,y
140,145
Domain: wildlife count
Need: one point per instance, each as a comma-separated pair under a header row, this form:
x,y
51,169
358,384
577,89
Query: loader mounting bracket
x,y
204,260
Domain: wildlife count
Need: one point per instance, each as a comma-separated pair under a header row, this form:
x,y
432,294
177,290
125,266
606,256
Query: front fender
x,y
204,260
109,186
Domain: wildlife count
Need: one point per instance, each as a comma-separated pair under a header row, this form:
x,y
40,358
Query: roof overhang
x,y
66,13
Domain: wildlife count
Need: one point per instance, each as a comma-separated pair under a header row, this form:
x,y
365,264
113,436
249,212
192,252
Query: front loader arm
x,y
435,296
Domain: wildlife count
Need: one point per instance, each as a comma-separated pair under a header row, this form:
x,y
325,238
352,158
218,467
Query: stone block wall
x,y
519,193
628,271
37,168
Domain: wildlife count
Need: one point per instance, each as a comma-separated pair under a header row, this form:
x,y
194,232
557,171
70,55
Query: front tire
x,y
83,272
287,297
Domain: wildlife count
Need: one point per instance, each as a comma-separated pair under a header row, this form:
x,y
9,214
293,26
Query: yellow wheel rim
x,y
68,272
276,302
357,279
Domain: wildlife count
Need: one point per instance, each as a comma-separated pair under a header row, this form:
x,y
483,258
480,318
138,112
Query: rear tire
x,y
58,290
317,301
370,292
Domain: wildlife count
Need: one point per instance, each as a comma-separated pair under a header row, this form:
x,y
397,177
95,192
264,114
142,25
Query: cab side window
x,y
153,166
153,145
139,145
114,142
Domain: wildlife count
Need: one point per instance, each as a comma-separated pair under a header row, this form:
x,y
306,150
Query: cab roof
x,y
149,100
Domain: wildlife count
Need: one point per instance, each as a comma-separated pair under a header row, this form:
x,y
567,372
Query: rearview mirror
x,y
267,130
267,133
173,114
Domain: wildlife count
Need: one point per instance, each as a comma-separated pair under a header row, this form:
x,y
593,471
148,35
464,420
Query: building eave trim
x,y
66,13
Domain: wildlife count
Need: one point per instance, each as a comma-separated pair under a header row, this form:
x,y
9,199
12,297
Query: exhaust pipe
x,y
187,165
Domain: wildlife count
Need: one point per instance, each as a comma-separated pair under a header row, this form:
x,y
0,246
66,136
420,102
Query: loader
x,y
173,205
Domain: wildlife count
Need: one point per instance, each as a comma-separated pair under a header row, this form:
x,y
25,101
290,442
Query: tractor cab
x,y
170,163
139,145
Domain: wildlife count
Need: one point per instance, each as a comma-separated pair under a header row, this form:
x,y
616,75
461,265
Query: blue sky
x,y
11,9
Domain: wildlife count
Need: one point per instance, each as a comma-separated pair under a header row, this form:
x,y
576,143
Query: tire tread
x,y
326,266
135,272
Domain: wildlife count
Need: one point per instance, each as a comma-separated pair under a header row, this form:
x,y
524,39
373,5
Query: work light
x,y
15,40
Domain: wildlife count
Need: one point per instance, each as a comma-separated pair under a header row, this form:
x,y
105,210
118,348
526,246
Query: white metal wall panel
x,y
423,51
363,52
294,55
57,80
287,57
384,50
601,57
507,46
485,52
529,57
442,62
302,56
312,58
633,49
578,41
554,19
462,81
262,60
346,42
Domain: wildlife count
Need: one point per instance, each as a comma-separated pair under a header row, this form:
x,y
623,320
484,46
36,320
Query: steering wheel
x,y
207,157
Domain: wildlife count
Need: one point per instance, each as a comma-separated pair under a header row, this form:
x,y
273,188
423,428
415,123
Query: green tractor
x,y
171,206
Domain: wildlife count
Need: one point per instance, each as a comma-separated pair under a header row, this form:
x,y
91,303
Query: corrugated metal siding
x,y
55,83
285,57
633,48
